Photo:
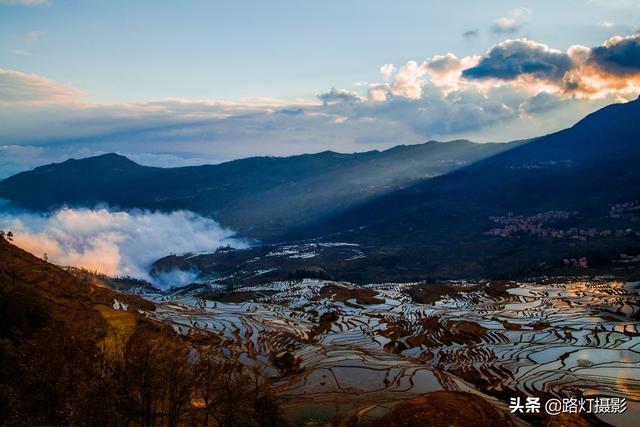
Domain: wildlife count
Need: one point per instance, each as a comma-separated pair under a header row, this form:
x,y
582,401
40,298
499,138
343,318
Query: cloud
x,y
387,70
541,102
610,69
618,55
291,111
445,71
438,114
408,81
509,24
21,88
607,24
443,64
25,2
33,36
470,34
378,92
116,243
515,58
404,82
520,12
19,52
339,95
505,25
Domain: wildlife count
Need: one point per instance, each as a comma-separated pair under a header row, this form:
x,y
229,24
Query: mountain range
x,y
260,197
568,181
451,210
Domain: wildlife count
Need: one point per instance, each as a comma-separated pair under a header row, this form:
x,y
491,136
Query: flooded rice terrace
x,y
361,350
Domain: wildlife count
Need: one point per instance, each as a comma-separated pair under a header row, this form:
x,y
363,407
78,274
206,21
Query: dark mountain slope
x,y
441,226
565,203
607,134
583,166
91,180
260,196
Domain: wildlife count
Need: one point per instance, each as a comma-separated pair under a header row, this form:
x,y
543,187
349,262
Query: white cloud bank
x,y
117,243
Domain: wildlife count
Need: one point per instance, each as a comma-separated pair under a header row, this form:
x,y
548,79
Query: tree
x,y
230,395
176,372
10,236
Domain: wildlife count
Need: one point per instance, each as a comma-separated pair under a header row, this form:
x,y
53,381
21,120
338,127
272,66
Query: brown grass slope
x,y
67,357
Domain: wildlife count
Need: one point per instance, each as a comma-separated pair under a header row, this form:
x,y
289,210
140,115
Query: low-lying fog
x,y
117,243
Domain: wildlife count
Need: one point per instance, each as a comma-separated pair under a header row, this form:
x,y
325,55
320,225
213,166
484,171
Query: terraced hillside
x,y
362,350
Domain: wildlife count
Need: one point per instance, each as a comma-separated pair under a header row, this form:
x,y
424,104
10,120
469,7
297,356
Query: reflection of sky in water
x,y
629,418
552,337
598,355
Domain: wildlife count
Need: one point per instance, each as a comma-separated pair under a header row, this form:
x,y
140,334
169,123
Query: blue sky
x,y
122,51
104,63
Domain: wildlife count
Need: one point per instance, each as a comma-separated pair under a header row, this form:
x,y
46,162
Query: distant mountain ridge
x,y
582,172
564,203
260,196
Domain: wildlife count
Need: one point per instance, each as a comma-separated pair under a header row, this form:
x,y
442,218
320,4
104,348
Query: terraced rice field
x,y
363,354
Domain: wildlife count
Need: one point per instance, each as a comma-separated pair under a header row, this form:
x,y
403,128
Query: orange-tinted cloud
x,y
117,243
22,88
610,69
